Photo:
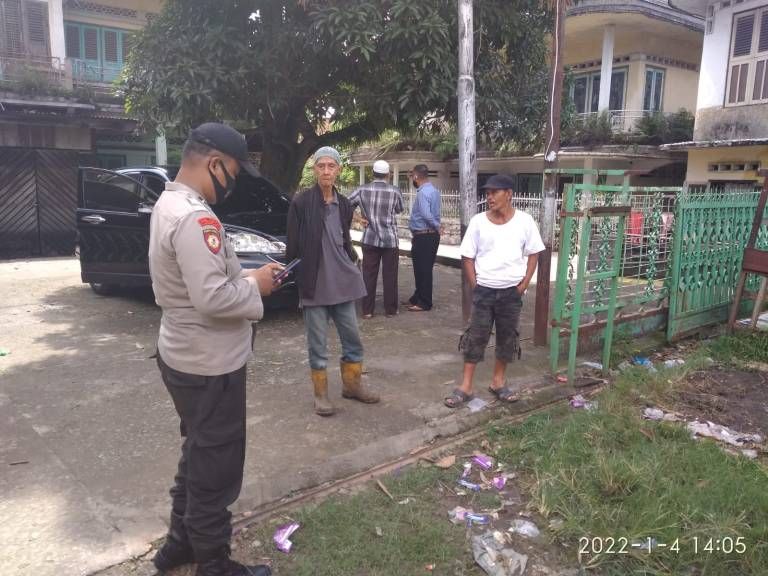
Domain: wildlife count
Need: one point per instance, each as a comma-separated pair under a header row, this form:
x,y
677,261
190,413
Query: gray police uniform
x,y
204,343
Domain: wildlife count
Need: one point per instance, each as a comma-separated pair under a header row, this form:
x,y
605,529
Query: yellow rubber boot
x,y
351,377
323,406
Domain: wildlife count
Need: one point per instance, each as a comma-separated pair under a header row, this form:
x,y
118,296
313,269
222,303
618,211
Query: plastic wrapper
x,y
483,461
282,535
469,485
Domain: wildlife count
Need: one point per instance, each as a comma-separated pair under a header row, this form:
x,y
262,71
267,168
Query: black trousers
x,y
210,471
423,253
373,256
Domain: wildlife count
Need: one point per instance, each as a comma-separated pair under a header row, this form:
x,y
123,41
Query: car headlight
x,y
247,242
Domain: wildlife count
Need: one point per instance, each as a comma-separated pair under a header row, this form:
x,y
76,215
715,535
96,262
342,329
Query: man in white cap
x,y
328,278
380,203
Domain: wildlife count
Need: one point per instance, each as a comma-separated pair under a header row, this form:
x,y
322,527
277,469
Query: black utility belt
x,y
419,232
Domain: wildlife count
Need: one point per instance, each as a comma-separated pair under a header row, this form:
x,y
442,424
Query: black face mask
x,y
222,191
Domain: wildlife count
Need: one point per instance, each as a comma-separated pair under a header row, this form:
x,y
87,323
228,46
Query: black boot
x,y
176,550
220,564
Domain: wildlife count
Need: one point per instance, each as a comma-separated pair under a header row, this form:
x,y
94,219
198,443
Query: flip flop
x,y
457,399
505,394
367,316
416,308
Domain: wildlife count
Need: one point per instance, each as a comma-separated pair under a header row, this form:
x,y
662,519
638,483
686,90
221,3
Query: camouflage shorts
x,y
493,306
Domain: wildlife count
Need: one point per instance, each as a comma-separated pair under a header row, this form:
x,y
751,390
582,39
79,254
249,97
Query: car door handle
x,y
93,219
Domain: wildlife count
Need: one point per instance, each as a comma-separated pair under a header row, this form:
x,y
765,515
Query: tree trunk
x,y
283,165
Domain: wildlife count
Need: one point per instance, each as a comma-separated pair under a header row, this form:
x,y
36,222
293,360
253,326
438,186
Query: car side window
x,y
110,192
156,185
256,195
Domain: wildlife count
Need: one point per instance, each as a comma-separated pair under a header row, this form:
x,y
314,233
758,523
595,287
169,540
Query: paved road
x,y
89,437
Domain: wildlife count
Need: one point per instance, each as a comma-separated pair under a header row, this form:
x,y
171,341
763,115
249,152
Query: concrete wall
x,y
733,122
59,137
699,161
142,7
679,89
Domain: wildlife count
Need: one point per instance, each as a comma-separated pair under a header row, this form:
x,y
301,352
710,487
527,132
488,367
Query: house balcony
x,y
35,75
97,74
620,121
26,75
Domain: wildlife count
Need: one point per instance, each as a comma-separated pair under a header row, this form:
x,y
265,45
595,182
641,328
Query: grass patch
x,y
608,473
744,346
339,536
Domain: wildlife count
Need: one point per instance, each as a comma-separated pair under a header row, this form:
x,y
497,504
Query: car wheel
x,y
103,289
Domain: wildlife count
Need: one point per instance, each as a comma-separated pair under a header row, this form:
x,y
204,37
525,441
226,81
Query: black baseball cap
x,y
226,140
499,182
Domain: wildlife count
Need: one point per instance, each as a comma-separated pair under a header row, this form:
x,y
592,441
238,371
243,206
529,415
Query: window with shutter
x,y
742,37
110,46
97,53
127,38
91,43
36,16
72,40
748,68
11,38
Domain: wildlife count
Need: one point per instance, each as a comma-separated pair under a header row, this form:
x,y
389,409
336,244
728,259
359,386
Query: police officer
x,y
208,304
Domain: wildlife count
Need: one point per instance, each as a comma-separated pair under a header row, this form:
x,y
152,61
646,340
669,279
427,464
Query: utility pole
x,y
467,143
549,204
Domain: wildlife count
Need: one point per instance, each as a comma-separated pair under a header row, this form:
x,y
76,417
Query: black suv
x,y
113,211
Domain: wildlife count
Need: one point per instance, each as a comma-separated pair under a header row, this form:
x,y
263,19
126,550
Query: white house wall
x,y
714,121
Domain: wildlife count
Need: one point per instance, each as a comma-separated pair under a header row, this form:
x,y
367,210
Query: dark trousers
x,y
499,307
423,253
210,471
388,258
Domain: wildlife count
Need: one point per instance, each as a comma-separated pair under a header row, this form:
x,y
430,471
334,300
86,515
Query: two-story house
x,y
730,140
58,62
627,60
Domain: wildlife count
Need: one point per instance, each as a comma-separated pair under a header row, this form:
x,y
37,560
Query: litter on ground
x,y
496,560
524,528
282,535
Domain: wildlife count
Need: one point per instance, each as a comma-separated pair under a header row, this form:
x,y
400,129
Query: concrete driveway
x,y
89,437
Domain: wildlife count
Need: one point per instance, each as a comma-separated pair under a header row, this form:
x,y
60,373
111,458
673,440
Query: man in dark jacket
x,y
329,280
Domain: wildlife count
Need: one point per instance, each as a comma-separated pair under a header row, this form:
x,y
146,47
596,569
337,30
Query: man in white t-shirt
x,y
499,253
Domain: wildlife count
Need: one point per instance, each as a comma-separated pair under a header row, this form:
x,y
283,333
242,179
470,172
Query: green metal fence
x,y
712,226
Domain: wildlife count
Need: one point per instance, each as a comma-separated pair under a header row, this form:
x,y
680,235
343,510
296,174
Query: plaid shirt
x,y
379,202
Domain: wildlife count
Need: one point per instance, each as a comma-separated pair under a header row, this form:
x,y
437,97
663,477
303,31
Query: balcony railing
x,y
32,74
620,120
86,72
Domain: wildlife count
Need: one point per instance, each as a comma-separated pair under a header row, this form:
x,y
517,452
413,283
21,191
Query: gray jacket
x,y
207,303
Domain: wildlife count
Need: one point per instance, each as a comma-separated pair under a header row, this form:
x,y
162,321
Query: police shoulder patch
x,y
211,233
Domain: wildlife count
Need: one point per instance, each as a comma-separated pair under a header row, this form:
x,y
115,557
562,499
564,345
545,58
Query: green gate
x,y
613,264
592,230
712,226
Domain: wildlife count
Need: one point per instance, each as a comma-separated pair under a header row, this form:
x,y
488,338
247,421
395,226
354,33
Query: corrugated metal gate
x,y
38,199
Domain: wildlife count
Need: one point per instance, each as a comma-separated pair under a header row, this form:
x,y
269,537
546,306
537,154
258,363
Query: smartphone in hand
x,y
286,271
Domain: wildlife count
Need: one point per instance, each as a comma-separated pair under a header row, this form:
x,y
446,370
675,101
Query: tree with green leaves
x,y
299,75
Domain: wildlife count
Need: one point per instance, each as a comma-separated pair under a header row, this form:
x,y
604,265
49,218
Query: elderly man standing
x,y
329,281
425,229
499,253
380,203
